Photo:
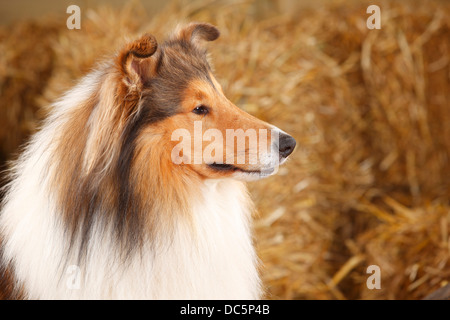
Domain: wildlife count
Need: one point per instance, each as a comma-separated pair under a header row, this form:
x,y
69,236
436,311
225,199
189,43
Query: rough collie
x,y
104,202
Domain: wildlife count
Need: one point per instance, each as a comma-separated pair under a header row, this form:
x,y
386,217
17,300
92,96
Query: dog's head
x,y
174,100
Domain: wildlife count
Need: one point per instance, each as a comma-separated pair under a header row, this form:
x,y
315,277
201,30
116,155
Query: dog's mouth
x,y
224,167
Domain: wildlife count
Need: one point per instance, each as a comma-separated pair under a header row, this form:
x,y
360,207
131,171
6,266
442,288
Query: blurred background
x,y
369,183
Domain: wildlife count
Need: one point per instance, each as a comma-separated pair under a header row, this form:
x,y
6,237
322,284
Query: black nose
x,y
287,145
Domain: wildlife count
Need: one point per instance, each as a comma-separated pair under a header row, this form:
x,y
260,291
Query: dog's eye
x,y
201,110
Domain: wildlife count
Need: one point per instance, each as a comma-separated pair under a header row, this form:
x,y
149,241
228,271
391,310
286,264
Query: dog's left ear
x,y
196,32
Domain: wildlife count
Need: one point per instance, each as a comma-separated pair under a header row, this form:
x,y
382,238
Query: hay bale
x,y
26,64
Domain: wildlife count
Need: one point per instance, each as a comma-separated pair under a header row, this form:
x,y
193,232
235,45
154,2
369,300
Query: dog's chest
x,y
213,257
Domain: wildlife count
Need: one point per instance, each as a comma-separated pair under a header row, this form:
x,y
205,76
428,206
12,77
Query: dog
x,y
105,202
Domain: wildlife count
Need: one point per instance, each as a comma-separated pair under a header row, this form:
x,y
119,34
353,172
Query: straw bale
x,y
26,63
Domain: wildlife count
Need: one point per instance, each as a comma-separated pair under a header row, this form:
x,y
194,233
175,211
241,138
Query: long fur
x,y
95,190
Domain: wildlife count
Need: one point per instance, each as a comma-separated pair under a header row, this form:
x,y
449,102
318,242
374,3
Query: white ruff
x,y
208,257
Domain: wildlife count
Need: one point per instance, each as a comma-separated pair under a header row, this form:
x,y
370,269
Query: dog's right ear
x,y
137,62
196,32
